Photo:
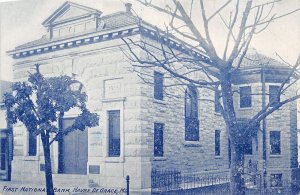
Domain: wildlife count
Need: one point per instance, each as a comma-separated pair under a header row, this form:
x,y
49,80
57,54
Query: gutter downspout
x,y
263,78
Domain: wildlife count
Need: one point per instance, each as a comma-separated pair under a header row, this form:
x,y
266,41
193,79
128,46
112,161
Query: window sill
x,y
275,156
218,114
218,157
31,158
192,144
246,108
114,99
114,159
277,108
276,187
159,158
163,102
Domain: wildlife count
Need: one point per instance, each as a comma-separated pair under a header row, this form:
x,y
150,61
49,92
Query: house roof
x,y
106,23
108,27
120,20
254,59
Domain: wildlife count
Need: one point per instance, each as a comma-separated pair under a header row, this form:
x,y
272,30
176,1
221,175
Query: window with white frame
x,y
217,142
191,114
114,133
158,85
274,96
158,139
275,142
245,97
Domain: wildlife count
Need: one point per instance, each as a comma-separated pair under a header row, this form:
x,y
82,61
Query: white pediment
x,y
70,11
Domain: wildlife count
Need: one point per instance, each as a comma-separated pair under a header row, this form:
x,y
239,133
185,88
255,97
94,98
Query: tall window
x,y
114,132
158,85
245,97
275,142
191,114
3,153
158,139
32,145
217,142
217,102
273,95
248,145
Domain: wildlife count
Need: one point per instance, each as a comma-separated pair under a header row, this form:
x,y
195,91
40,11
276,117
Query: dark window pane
x,y
114,133
217,142
32,145
247,147
276,180
217,102
191,114
158,139
273,95
158,85
3,153
275,142
245,97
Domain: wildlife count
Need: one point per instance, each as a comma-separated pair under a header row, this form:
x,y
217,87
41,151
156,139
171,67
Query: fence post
x,y
127,182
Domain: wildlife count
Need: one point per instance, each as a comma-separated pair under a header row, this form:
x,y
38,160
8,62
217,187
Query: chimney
x,y
128,7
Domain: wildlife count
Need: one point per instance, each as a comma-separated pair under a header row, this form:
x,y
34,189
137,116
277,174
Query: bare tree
x,y
241,23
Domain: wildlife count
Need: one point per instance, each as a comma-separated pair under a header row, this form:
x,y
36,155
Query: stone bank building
x,y
141,128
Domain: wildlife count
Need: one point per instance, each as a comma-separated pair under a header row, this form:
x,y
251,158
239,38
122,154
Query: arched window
x,y
191,114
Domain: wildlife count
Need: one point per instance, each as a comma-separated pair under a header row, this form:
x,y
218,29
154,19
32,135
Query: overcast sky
x,y
20,22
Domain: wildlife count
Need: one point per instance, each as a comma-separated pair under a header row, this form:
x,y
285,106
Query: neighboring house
x,y
262,77
141,128
5,137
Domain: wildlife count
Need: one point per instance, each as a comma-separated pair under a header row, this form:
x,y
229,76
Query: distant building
x,y
141,128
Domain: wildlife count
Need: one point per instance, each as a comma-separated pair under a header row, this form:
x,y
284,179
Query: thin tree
x,y
242,23
40,103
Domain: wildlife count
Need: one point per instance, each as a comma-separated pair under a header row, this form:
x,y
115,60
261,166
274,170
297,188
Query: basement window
x,y
276,180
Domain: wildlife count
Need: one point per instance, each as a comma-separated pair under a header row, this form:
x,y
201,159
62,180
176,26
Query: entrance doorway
x,y
5,167
75,150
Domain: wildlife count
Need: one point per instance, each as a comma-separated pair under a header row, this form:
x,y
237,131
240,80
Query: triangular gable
x,y
69,11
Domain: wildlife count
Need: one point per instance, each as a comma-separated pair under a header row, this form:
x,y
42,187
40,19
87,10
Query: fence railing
x,y
168,180
165,180
175,181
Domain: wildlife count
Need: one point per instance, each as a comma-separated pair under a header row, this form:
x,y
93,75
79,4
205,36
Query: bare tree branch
x,y
219,10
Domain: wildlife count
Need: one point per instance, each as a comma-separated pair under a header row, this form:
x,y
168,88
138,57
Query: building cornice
x,y
273,74
96,37
71,42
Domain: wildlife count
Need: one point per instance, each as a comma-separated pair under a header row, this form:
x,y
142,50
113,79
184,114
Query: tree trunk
x,y
237,157
61,165
236,170
48,168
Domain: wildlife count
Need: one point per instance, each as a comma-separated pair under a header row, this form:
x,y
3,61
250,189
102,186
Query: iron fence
x,y
175,182
165,180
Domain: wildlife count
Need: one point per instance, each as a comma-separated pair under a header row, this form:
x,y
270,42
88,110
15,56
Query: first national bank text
x,y
63,190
